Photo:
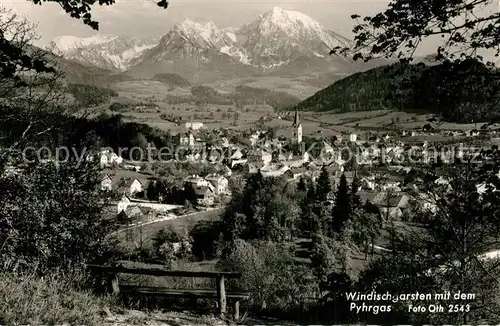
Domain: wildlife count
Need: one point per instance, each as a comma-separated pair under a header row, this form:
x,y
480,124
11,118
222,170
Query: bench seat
x,y
146,290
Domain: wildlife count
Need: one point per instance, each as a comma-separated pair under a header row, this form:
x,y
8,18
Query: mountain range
x,y
278,42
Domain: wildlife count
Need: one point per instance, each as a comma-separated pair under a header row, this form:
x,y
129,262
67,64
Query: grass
x,y
52,300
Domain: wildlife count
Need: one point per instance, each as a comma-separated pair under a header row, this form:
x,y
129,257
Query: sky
x,y
143,18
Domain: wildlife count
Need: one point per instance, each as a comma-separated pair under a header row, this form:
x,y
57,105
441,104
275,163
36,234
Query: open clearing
x,y
132,238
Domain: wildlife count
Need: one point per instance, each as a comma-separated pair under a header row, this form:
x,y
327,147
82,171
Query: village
x,y
385,166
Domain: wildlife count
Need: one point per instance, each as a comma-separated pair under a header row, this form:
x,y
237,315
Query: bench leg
x,y
113,286
236,310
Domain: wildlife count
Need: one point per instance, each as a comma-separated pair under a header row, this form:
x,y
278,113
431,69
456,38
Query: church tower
x,y
297,132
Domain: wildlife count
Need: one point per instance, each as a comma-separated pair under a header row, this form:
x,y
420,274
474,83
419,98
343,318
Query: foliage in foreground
x,y
52,300
52,217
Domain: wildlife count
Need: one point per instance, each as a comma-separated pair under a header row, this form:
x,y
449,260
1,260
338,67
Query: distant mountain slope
x,y
457,92
172,80
363,91
75,72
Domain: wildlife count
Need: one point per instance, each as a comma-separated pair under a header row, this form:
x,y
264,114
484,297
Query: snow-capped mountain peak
x,y
280,35
289,19
104,51
67,43
278,40
204,35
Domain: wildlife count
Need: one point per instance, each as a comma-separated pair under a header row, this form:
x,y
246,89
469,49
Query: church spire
x,y
296,121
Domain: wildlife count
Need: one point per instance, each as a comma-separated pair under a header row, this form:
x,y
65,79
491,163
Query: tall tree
x,y
342,208
323,185
355,198
301,186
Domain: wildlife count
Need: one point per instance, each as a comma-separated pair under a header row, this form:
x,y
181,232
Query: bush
x,y
269,273
205,236
46,301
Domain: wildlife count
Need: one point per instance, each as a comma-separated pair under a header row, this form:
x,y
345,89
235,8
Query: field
x,y
168,108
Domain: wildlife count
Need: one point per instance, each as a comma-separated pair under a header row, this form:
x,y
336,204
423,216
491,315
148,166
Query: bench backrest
x,y
161,272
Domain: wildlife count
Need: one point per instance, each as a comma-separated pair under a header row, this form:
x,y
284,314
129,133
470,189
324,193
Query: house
x,y
220,183
391,205
130,186
444,183
256,156
204,196
106,183
391,185
368,183
227,171
391,212
133,212
185,139
274,170
255,137
238,163
131,167
327,148
251,168
298,172
194,156
193,125
237,155
215,156
123,203
224,142
197,182
108,158
353,138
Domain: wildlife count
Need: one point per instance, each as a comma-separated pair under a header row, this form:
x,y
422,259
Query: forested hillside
x,y
461,92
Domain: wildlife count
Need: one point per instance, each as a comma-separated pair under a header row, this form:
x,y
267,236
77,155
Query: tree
x,y
52,217
31,93
18,56
141,143
367,227
269,273
341,212
323,259
301,186
355,200
323,186
405,24
269,208
445,251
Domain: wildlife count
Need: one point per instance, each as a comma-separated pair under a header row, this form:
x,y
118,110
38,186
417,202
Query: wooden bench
x,y
220,294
